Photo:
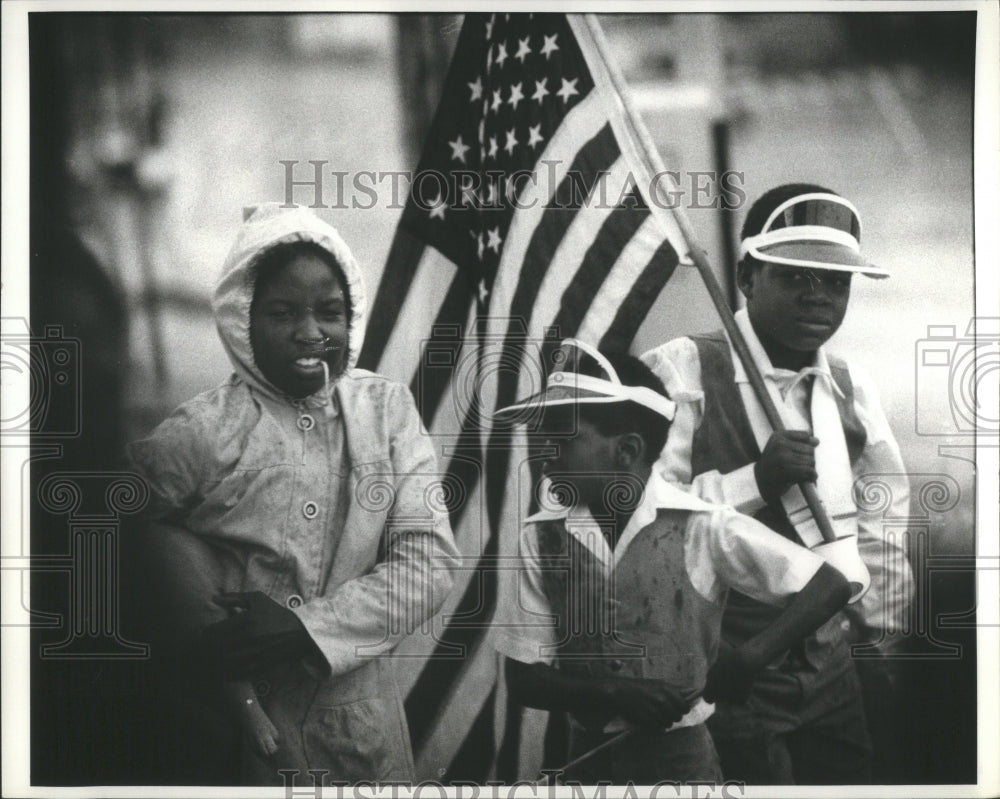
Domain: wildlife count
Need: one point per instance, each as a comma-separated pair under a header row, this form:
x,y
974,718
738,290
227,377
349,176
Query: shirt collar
x,y
658,495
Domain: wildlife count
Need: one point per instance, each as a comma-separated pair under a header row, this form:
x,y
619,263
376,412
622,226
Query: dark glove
x,y
259,634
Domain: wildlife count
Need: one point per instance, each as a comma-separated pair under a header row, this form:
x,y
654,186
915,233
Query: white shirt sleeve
x,y
524,626
725,549
678,366
882,491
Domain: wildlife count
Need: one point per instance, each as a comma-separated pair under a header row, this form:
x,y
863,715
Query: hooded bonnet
x,y
265,226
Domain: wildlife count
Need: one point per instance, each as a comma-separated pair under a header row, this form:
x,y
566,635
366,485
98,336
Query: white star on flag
x,y
550,46
540,90
489,26
535,135
438,207
494,239
496,100
501,55
516,95
523,50
458,149
568,89
493,147
477,89
511,142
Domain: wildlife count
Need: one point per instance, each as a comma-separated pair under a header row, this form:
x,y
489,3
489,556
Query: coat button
x,y
310,510
294,601
616,665
306,422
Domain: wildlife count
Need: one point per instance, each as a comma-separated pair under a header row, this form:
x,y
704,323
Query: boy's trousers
x,y
798,727
646,758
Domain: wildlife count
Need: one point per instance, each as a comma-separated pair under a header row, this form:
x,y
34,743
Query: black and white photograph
x,y
500,400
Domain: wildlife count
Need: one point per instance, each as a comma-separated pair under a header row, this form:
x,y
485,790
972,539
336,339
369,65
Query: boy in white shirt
x,y
804,722
616,613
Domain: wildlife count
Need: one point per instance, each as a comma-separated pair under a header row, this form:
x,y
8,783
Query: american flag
x,y
531,218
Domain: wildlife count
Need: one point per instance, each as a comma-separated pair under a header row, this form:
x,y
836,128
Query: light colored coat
x,y
325,504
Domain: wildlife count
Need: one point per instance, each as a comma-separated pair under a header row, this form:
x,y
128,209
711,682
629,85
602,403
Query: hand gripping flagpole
x,y
701,262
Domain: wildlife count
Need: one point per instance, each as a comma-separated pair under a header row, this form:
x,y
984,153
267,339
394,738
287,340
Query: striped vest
x,y
725,442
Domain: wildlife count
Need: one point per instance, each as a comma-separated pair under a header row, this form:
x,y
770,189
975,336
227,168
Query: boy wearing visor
x,y
616,609
804,721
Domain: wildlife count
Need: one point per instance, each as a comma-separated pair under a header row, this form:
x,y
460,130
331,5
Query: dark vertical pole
x,y
726,216
425,43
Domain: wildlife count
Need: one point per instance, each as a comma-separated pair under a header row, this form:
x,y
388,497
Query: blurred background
x,y
150,132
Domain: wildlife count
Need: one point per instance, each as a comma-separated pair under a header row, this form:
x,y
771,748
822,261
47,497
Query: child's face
x,y
299,319
794,308
584,458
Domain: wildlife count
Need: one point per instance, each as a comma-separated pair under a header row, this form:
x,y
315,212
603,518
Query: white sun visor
x,y
815,231
571,382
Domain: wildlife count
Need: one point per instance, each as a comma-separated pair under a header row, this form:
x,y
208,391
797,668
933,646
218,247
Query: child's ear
x,y
630,450
745,274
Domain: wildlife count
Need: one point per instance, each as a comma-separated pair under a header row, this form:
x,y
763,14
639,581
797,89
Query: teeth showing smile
x,y
307,361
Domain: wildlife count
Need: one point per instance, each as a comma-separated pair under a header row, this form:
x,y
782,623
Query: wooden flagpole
x,y
708,277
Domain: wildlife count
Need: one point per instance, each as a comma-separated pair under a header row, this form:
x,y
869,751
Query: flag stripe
x,y
401,265
473,759
568,258
460,704
641,298
614,235
595,156
429,384
582,123
628,267
508,755
474,608
403,353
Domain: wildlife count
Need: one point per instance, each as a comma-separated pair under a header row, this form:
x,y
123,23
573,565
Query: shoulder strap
x,y
854,431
